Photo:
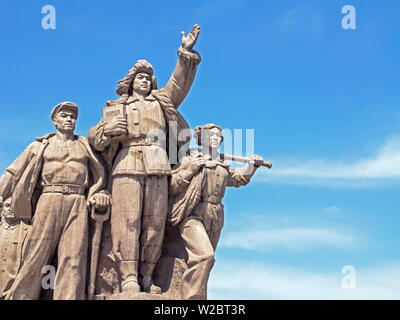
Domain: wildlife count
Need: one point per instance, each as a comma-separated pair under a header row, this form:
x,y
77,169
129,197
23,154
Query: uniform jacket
x,y
19,181
169,99
208,184
12,246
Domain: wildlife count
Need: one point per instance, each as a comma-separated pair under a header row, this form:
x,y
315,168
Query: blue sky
x,y
323,103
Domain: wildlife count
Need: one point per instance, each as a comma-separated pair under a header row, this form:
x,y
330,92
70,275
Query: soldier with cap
x,y
197,187
53,183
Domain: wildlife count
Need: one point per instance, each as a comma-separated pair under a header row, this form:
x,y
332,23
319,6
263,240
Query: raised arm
x,y
182,78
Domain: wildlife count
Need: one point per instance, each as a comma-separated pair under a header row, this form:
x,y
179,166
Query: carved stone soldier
x,y
13,236
139,163
197,187
56,178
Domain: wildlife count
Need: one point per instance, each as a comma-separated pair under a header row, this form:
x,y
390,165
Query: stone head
x,y
209,136
139,79
6,210
64,116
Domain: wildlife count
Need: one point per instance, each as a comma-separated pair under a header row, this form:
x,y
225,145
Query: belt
x,y
64,189
138,142
211,199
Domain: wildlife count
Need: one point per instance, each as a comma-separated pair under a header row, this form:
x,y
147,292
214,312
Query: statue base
x,y
136,296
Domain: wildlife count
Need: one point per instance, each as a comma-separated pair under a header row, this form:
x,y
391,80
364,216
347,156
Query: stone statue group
x,y
57,195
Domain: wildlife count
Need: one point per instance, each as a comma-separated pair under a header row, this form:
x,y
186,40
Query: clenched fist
x,y
196,164
257,160
101,201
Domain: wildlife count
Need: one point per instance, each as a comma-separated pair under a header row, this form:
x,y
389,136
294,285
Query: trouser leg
x,y
214,238
153,223
127,198
72,251
200,260
46,230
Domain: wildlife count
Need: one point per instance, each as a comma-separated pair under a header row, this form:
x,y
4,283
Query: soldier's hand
x,y
257,160
117,127
190,40
101,201
196,164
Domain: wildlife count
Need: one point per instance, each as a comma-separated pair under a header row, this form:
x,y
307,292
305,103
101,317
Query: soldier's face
x,y
142,83
65,121
215,138
6,210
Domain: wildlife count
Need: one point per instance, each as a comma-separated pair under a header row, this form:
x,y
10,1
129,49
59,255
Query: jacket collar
x,y
210,163
135,98
50,135
5,225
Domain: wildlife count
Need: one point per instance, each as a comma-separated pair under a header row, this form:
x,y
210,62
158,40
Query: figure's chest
x,y
216,177
8,238
65,153
140,111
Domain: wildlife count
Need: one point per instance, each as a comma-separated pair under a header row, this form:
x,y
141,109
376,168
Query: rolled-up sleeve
x,y
238,177
97,138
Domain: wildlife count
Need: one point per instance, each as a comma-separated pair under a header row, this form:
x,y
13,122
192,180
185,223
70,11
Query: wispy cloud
x,y
331,209
238,280
301,19
287,238
382,168
267,232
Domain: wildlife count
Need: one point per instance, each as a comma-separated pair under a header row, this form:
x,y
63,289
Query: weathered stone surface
x,y
139,166
113,211
51,184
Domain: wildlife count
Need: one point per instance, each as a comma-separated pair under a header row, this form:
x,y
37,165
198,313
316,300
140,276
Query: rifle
x,y
267,164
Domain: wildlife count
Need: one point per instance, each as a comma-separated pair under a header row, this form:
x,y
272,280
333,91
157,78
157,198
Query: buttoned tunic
x,y
201,229
143,149
12,245
139,166
218,176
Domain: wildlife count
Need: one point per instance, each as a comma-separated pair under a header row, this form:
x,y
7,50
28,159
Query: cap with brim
x,y
64,106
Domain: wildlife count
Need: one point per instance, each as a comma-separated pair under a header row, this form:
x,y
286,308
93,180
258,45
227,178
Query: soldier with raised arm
x,y
134,146
197,188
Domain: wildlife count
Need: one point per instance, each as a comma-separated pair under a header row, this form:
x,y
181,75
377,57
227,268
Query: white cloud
x,y
379,169
299,232
331,209
302,19
287,238
238,280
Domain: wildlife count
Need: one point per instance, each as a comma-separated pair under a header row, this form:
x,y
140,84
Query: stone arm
x,y
180,178
98,194
241,176
182,78
97,138
12,174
